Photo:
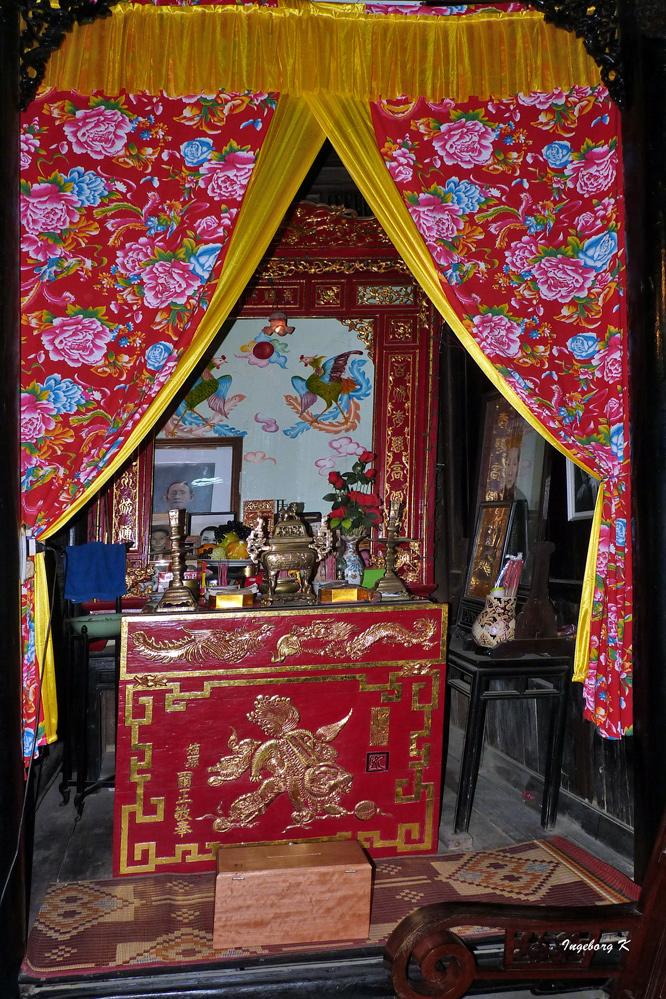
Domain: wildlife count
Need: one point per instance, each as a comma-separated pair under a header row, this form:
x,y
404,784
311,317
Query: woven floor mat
x,y
166,920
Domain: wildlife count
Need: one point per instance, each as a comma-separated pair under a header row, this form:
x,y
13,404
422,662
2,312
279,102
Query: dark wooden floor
x,y
71,849
507,811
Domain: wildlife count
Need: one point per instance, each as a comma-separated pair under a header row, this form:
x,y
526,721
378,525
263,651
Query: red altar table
x,y
266,725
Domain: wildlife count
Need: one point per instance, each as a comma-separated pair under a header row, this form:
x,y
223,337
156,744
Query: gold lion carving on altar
x,y
292,761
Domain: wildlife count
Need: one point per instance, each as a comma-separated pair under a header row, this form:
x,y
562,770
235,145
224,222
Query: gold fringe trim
x,y
312,47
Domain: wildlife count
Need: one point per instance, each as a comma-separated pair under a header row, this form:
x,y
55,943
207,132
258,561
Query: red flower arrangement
x,y
354,510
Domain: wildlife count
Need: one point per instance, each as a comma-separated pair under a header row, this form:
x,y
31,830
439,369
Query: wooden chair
x,y
427,959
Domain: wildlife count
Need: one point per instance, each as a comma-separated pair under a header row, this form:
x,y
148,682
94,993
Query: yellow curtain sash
x,y
313,47
582,659
293,140
44,650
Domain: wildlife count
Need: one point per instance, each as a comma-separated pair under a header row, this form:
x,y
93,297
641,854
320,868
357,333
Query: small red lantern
x,y
263,350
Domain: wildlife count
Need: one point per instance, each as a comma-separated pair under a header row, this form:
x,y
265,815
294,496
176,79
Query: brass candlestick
x,y
391,585
177,596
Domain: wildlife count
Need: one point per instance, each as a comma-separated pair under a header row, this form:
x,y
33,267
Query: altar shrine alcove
x,y
346,293
327,264
382,436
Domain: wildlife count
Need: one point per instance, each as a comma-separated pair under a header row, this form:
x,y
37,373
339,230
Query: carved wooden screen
x,y
121,515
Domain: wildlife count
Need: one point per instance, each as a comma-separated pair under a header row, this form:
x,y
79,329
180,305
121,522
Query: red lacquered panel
x,y
265,725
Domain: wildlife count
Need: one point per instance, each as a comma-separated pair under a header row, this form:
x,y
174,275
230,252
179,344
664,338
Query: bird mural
x,y
211,388
328,382
339,382
219,399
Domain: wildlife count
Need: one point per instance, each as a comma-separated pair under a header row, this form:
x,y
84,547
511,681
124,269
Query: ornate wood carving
x,y
365,329
597,24
328,295
43,31
401,331
120,514
279,268
179,676
384,294
314,225
541,943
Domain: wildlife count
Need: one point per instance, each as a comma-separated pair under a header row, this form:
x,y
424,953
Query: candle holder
x,y
177,596
391,585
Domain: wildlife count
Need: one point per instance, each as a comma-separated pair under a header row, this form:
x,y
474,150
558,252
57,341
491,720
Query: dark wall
x,y
643,37
12,911
595,770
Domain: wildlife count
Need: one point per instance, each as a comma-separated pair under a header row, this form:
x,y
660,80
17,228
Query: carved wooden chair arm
x,y
539,942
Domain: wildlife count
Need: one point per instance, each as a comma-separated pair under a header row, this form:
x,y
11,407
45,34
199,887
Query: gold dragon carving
x,y
339,639
408,560
199,646
299,763
138,579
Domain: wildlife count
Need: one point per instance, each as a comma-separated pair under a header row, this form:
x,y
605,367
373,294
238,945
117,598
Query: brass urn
x,y
290,548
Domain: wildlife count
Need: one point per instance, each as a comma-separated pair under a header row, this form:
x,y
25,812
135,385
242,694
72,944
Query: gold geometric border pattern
x,y
409,836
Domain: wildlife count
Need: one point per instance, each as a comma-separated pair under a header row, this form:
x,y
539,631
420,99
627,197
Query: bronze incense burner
x,y
290,548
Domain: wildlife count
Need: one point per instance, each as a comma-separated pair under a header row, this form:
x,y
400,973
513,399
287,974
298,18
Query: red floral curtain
x,y
128,203
519,202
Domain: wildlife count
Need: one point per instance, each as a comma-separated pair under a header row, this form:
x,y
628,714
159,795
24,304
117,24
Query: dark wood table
x,y
87,675
530,677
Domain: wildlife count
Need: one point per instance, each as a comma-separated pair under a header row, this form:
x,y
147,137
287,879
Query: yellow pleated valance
x,y
301,48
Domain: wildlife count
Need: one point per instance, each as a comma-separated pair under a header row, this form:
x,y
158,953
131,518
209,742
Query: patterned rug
x,y
165,920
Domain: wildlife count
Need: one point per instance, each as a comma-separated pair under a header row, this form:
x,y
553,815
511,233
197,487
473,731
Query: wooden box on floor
x,y
292,893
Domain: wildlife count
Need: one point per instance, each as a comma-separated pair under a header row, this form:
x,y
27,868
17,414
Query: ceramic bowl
x,y
98,625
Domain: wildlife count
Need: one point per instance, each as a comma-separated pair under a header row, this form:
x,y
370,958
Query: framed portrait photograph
x,y
582,490
515,465
200,522
160,537
197,476
512,459
493,528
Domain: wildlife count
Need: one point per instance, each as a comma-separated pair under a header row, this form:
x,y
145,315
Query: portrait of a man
x,y
183,487
178,495
200,477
